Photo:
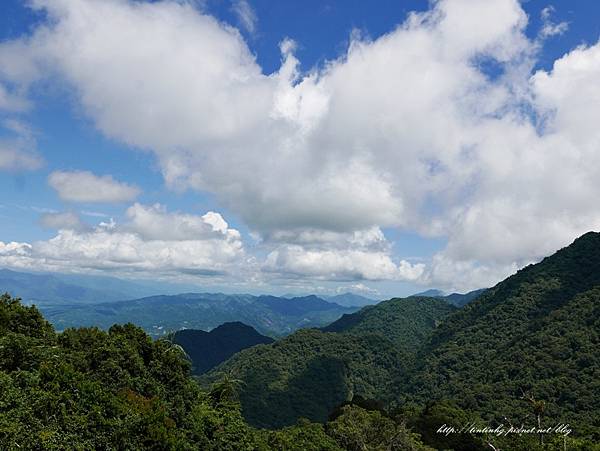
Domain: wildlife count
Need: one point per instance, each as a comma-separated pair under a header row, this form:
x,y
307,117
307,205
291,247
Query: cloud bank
x,y
406,131
198,245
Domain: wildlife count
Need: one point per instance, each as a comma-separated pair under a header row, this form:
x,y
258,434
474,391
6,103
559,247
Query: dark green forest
x,y
207,349
523,354
86,389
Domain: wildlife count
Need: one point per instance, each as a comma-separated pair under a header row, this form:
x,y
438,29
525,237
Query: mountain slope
x,y
310,372
208,349
407,322
536,334
159,315
530,341
87,389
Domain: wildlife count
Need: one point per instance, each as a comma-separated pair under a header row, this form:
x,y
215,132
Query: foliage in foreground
x,y
89,389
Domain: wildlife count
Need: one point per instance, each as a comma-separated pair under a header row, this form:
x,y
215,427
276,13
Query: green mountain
x,y
310,372
524,352
207,349
407,322
86,389
534,336
160,315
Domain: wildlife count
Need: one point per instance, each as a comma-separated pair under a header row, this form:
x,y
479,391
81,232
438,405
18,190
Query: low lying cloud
x,y
129,249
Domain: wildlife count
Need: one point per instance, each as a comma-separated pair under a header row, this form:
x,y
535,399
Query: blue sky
x,y
323,179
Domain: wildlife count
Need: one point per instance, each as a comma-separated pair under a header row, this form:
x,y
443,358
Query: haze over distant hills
x,y
159,315
52,288
351,300
457,299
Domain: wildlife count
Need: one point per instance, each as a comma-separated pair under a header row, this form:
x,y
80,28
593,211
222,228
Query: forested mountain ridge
x,y
310,372
456,299
207,349
88,389
407,322
528,343
534,335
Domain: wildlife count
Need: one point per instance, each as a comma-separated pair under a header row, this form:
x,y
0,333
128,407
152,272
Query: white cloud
x,y
345,265
245,15
403,131
550,28
129,248
83,186
360,255
359,288
155,223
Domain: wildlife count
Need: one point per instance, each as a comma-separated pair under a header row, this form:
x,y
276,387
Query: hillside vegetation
x,y
310,372
207,349
535,335
86,389
524,352
407,322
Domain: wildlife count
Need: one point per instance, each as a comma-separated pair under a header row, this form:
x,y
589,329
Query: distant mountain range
x,y
351,300
46,288
456,299
163,314
207,349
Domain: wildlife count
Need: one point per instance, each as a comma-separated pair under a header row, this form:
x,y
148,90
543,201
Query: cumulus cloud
x,y
83,186
129,248
361,255
405,131
155,223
